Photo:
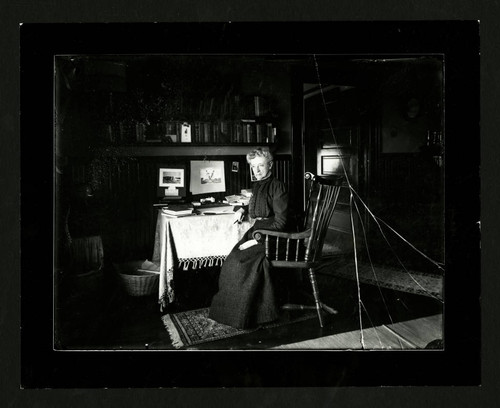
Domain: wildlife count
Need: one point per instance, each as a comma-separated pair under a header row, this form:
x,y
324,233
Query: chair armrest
x,y
290,249
258,234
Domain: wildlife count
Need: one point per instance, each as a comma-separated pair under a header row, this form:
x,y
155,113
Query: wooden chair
x,y
303,250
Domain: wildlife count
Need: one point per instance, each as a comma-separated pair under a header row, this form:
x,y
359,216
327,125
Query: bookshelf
x,y
171,105
253,125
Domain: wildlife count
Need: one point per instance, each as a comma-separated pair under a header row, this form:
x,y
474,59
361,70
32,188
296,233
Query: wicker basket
x,y
137,282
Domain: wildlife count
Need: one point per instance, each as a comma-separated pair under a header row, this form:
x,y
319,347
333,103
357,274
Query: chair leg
x,y
312,278
319,306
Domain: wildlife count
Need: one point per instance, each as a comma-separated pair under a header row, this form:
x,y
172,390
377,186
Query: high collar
x,y
269,177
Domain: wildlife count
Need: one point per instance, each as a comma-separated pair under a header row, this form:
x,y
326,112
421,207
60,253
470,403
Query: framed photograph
x,y
171,177
207,177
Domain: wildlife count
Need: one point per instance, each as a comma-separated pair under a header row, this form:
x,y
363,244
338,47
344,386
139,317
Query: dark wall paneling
x,y
125,187
409,178
410,198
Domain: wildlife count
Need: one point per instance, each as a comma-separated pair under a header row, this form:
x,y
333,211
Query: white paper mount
x,y
186,133
171,191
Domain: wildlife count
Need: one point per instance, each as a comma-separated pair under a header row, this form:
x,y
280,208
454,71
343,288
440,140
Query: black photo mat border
x,y
41,367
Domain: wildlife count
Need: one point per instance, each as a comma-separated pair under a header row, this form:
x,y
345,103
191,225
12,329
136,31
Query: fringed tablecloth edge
x,y
202,262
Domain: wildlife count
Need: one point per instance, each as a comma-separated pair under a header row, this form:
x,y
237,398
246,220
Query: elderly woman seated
x,y
246,295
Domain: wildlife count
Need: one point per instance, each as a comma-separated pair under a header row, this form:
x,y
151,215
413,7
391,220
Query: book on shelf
x,y
270,133
197,132
215,132
225,130
238,133
261,106
259,132
207,129
140,132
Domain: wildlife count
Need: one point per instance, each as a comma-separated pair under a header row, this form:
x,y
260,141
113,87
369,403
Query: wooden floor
x,y
103,317
408,335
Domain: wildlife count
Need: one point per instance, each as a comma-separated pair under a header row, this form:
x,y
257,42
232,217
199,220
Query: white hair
x,y
260,153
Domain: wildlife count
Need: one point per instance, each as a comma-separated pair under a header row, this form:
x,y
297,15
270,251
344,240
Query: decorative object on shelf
x,y
185,132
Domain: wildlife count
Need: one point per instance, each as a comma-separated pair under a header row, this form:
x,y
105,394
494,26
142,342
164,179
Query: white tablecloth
x,y
192,242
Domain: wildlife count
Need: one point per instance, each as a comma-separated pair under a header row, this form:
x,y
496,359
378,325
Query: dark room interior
x,y
377,120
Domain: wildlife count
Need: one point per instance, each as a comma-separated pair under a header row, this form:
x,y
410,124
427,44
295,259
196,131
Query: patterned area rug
x,y
194,327
420,283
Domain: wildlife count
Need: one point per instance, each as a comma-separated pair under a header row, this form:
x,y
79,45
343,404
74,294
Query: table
x,y
193,242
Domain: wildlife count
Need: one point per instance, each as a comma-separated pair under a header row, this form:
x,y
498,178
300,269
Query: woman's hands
x,y
247,244
238,216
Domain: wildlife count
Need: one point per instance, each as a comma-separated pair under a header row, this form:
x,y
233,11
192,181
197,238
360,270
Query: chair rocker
x,y
303,250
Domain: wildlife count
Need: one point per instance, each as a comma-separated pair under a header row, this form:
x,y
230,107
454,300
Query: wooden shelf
x,y
186,149
177,145
216,132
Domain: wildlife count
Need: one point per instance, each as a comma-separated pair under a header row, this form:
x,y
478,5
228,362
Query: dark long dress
x,y
246,295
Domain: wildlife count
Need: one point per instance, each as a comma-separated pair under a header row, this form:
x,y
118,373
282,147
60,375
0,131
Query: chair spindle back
x,y
322,200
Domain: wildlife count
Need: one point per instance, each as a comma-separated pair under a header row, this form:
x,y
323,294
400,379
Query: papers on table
x,y
178,210
237,199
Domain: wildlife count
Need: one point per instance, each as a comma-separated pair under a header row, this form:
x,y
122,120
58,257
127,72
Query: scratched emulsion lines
x,y
354,195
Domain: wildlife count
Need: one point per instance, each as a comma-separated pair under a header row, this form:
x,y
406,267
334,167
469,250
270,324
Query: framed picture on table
x,y
171,182
171,177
